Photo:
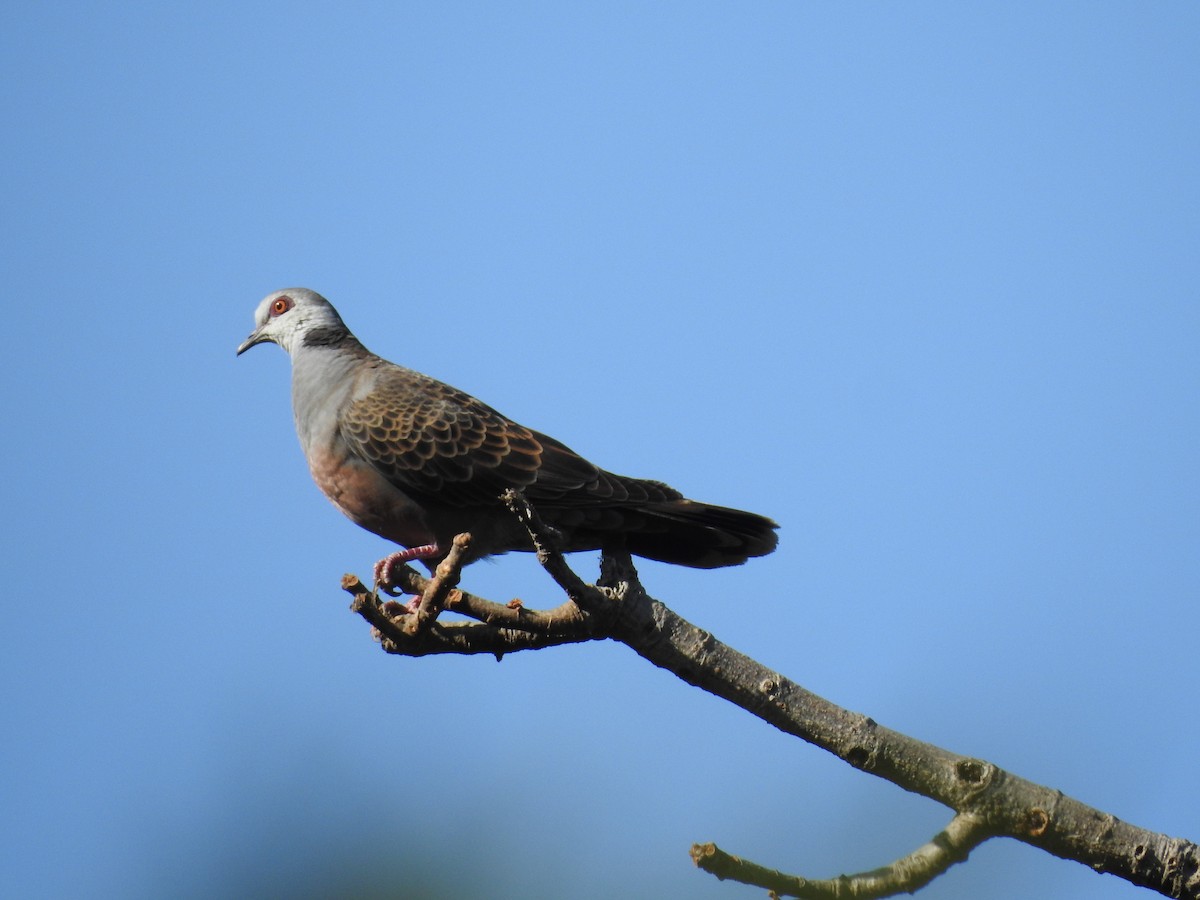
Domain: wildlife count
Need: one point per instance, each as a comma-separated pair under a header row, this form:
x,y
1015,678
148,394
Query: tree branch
x,y
988,801
500,629
905,875
437,589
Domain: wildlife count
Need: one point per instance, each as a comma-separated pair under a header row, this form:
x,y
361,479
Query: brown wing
x,y
430,439
442,446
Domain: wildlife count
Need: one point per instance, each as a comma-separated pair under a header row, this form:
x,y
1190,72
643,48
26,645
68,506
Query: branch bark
x,y
987,801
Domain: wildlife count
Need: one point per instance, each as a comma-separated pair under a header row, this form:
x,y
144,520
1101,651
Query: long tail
x,y
689,533
654,520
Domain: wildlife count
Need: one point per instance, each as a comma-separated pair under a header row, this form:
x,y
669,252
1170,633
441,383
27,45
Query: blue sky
x,y
917,280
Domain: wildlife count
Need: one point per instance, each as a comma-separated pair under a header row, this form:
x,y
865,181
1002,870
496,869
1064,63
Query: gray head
x,y
292,317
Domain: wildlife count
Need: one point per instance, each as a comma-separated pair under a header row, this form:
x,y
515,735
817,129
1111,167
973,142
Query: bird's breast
x,y
368,499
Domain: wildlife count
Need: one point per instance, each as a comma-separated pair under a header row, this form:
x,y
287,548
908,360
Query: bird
x,y
417,462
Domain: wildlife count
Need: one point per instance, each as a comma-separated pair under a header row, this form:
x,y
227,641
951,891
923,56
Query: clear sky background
x,y
919,280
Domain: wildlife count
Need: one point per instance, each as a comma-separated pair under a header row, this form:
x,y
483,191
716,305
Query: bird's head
x,y
292,317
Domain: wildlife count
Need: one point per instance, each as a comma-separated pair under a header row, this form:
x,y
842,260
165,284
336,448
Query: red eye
x,y
281,305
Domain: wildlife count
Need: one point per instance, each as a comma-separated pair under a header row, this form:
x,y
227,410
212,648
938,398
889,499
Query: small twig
x,y
474,638
502,629
445,577
588,596
564,619
366,604
965,832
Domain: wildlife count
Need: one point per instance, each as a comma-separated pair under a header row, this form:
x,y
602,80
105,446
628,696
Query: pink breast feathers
x,y
368,499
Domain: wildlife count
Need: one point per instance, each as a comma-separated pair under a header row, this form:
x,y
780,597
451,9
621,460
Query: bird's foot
x,y
385,569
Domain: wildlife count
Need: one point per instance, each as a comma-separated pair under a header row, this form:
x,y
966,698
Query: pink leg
x,y
385,568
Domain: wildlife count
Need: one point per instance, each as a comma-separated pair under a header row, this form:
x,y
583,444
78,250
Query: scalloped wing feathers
x,y
428,438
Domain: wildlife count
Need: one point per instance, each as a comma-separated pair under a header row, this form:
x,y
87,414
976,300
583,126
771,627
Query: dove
x,y
417,461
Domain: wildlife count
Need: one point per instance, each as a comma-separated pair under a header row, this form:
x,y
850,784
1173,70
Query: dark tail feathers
x,y
688,533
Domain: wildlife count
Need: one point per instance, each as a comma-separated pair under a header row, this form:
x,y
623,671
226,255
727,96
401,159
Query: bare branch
x,y
988,801
464,638
587,596
433,596
904,876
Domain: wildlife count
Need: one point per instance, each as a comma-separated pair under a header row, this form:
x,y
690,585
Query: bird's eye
x,y
281,305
